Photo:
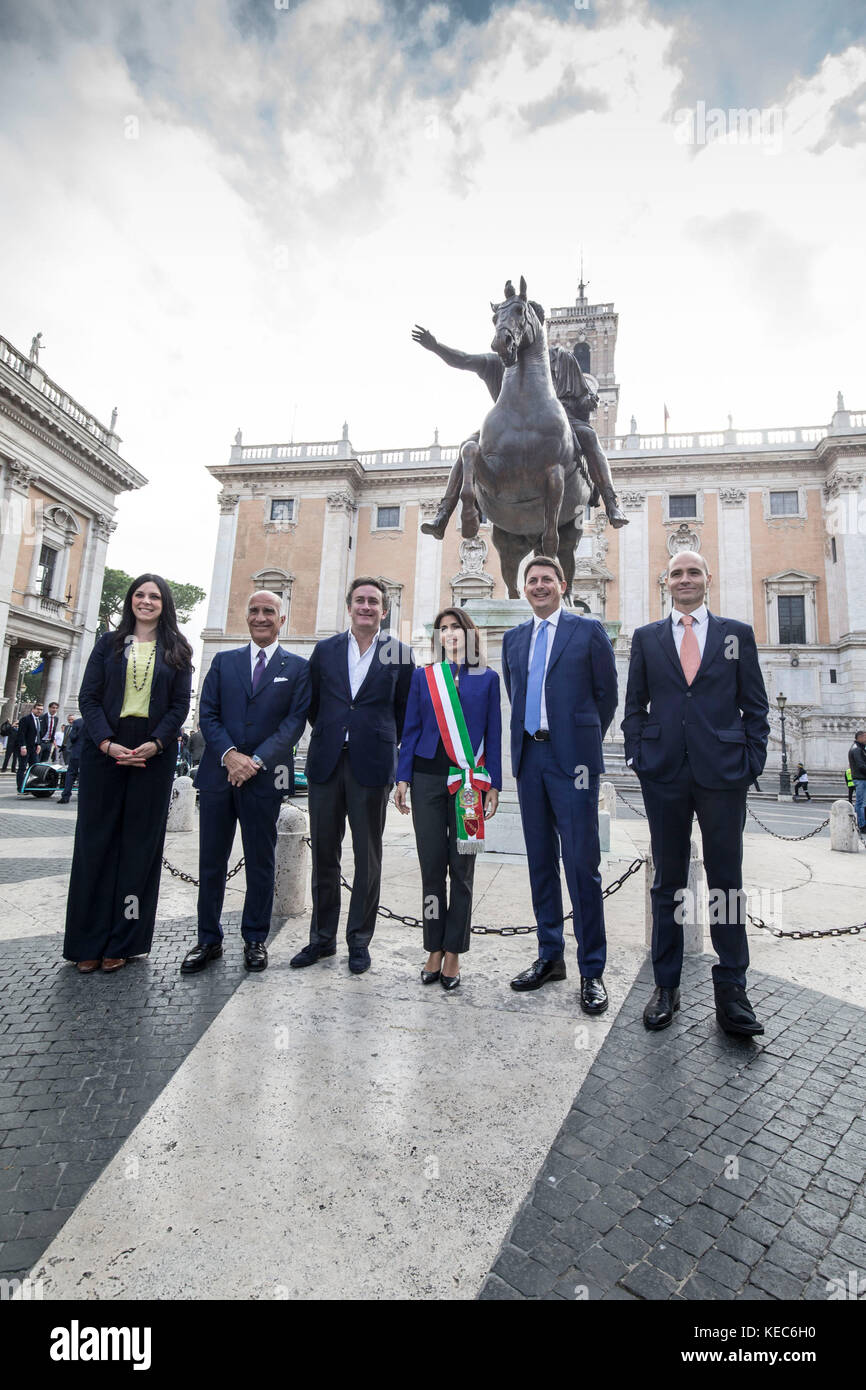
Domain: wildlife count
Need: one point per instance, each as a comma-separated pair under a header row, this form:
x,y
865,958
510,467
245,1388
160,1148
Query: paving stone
x,y
516,1268
672,1259
627,1247
690,1238
775,1281
553,1254
723,1270
496,1290
648,1282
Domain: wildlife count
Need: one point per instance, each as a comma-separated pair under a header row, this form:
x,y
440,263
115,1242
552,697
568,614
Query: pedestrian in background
x,y
801,782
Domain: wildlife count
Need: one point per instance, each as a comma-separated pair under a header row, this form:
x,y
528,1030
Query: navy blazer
x,y
100,698
373,720
479,700
29,734
719,721
267,724
580,690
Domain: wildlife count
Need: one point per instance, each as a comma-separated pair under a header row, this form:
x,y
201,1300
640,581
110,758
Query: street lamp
x,y
784,775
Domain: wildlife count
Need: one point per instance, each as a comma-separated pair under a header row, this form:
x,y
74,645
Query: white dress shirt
x,y
359,665
700,626
551,621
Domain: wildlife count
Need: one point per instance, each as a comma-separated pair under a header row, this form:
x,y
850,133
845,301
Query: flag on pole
x,y
667,417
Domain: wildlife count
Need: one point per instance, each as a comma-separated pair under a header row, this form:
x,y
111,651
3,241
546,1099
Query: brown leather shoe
x,y
110,964
87,967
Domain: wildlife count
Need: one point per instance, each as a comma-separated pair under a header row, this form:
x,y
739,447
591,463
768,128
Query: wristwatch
x,y
257,760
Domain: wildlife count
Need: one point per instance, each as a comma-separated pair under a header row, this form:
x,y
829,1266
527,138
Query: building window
x,y
832,676
387,518
792,619
283,509
784,503
683,504
582,355
45,572
833,549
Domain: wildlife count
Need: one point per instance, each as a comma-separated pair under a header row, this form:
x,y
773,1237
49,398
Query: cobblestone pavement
x,y
639,1197
22,825
81,1059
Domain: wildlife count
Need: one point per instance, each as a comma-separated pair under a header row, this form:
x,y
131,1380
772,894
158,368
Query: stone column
x,y
10,666
735,560
15,520
89,594
845,495
428,572
53,677
331,611
634,563
218,607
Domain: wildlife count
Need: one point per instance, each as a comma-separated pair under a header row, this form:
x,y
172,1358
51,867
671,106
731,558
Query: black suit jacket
x,y
100,699
373,720
30,734
719,721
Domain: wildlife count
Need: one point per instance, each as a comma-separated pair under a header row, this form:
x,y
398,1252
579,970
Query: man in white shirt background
x,y
696,733
360,686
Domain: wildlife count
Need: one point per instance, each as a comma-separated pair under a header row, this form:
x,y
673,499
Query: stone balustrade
x,y
36,378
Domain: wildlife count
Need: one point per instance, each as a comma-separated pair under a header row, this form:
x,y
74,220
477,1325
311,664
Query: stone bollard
x,y
604,831
293,862
181,810
844,834
607,799
695,913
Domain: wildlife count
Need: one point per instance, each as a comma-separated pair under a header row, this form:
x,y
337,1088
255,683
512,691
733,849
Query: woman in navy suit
x,y
133,701
454,694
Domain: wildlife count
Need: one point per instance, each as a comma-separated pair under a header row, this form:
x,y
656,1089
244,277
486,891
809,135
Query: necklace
x,y
135,683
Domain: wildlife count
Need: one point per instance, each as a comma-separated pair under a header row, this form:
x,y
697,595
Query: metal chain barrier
x,y
188,878
639,810
479,930
805,935
777,836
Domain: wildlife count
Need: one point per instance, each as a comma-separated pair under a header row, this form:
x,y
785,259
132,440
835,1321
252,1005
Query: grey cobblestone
x,y
642,1204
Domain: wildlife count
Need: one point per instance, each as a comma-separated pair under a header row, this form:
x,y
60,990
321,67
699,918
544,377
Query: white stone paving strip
x,y
340,1137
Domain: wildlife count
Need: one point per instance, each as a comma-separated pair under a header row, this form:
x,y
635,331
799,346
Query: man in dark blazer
x,y
696,733
72,751
48,727
560,674
360,686
252,711
29,743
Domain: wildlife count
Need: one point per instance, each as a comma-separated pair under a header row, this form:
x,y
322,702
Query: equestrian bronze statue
x,y
536,460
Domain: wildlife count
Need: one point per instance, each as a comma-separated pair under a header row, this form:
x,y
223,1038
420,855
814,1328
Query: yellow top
x,y
139,678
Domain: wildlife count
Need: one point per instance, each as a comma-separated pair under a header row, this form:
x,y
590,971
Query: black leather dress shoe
x,y
310,954
734,1013
198,957
255,955
538,974
660,1010
593,995
359,961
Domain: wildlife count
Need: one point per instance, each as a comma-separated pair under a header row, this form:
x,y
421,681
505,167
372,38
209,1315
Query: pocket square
x,y
280,678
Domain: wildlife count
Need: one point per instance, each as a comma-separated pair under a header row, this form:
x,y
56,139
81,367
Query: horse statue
x,y
524,473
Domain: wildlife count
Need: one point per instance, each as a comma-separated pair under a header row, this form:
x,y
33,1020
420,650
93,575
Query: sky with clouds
x,y
231,212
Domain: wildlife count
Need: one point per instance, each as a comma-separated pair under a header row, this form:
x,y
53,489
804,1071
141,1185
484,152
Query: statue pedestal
x,y
493,618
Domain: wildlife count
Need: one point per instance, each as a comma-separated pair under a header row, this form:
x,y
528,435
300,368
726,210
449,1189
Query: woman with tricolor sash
x,y
450,756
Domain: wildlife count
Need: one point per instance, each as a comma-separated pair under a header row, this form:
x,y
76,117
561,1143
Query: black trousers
x,y
25,762
117,860
446,923
671,807
219,814
72,770
11,754
330,804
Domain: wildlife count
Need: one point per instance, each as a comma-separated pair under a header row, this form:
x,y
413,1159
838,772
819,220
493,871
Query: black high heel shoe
x,y
429,977
449,981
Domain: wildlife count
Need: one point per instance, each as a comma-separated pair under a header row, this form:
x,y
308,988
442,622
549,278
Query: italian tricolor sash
x,y
466,778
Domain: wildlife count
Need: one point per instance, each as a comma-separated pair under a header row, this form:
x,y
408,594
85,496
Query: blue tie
x,y
261,663
532,718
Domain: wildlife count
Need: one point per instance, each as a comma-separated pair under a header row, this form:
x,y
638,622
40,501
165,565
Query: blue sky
x,y
231,212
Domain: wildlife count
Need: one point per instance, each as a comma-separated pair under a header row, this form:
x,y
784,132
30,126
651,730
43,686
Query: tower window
x,y
583,356
283,509
784,503
792,620
683,504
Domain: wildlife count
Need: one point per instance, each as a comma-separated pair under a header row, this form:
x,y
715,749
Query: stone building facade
x,y
60,473
779,514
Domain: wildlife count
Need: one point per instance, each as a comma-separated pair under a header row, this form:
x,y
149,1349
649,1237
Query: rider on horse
x,y
576,396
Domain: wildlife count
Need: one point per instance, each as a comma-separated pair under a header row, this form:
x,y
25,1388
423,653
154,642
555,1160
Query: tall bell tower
x,y
589,331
